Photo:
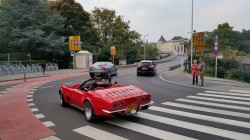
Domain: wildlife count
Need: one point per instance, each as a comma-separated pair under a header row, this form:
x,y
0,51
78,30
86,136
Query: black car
x,y
147,67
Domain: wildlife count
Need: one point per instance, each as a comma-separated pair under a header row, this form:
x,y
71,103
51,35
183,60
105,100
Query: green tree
x,y
114,31
28,26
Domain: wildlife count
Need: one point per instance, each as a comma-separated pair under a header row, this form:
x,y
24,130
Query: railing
x,y
15,68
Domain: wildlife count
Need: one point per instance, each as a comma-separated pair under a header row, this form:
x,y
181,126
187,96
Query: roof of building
x,y
162,39
176,38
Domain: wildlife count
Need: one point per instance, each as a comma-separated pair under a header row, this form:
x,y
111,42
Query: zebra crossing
x,y
208,115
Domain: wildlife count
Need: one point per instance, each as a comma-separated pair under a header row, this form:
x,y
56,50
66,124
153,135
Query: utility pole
x,y
144,46
191,36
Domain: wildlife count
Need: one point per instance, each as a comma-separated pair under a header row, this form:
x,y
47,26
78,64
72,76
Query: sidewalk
x,y
179,77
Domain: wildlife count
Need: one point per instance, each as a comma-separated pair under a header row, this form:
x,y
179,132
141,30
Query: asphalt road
x,y
174,120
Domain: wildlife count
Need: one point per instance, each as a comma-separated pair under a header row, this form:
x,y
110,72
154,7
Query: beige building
x,y
175,45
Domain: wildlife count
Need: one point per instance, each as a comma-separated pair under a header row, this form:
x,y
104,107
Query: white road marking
x,y
35,87
205,109
31,92
227,93
30,96
214,104
51,138
8,89
31,104
196,127
223,96
3,92
220,100
39,116
69,83
154,132
34,109
201,117
240,91
30,100
46,87
48,123
97,134
121,74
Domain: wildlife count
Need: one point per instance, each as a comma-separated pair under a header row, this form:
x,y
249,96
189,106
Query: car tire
x,y
89,112
138,74
62,101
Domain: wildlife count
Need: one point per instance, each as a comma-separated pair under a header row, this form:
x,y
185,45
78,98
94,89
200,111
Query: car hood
x,y
120,92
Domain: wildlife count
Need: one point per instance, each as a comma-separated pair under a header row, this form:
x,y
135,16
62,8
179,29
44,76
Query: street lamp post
x,y
191,36
144,47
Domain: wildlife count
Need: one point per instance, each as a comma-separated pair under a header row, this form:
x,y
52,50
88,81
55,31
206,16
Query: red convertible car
x,y
101,97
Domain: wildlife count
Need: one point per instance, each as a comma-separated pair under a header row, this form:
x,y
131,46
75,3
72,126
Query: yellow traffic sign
x,y
199,49
74,43
199,39
113,51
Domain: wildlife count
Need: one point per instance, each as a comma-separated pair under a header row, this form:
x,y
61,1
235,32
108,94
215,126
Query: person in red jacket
x,y
195,72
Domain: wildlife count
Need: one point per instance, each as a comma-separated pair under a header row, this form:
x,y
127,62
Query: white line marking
x,y
121,74
195,127
201,117
240,91
97,134
30,100
33,89
34,109
220,100
204,109
39,116
46,87
69,83
214,104
31,104
51,138
31,92
30,96
3,92
227,93
223,96
8,89
154,132
48,123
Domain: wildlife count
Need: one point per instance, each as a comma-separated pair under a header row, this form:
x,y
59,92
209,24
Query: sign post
x,y
216,52
74,45
113,53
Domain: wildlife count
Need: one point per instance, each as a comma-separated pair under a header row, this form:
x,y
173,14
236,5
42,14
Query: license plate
x,y
144,68
130,108
97,73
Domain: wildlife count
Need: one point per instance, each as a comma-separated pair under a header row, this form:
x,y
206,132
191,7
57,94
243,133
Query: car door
x,y
77,97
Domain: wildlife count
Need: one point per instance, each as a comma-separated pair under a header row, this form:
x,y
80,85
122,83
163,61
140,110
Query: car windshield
x,y
145,63
100,82
99,64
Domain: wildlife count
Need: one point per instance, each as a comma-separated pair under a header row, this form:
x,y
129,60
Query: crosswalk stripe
x,y
214,104
240,91
227,93
223,96
154,132
201,117
205,109
196,127
220,100
97,134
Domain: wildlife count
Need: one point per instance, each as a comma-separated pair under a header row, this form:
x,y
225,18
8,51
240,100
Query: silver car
x,y
102,69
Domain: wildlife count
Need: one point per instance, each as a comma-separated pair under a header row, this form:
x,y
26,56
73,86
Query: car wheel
x,y
138,74
62,101
89,112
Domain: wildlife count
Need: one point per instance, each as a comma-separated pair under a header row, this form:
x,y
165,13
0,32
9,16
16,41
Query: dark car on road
x,y
99,69
146,67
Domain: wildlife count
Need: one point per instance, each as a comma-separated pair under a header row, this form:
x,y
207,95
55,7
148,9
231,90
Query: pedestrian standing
x,y
43,67
195,72
201,71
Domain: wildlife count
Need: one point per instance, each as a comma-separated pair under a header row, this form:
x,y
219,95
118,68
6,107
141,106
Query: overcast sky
x,y
173,17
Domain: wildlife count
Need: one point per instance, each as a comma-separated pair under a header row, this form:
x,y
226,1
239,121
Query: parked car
x,y
102,69
101,97
147,67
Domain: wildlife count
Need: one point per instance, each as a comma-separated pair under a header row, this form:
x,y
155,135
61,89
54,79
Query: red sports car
x,y
101,97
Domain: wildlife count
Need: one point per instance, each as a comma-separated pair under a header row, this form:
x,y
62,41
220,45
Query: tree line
x,y
42,28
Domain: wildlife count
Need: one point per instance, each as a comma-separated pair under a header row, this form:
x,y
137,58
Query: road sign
x,y
113,50
199,49
72,53
199,39
216,38
74,43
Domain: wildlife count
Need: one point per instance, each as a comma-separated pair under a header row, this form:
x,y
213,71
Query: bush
x,y
221,72
245,77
